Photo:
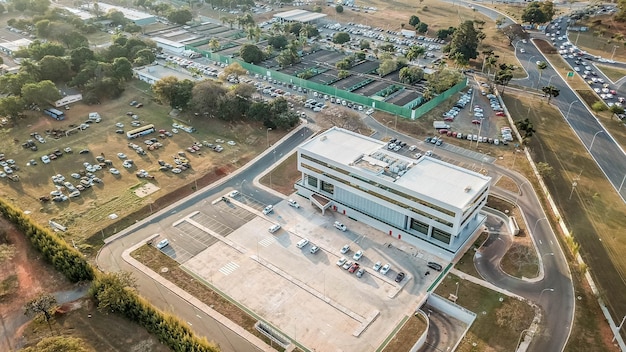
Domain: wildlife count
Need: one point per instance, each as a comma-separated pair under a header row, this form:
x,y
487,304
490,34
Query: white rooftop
x,y
299,15
445,182
83,15
16,44
429,177
130,14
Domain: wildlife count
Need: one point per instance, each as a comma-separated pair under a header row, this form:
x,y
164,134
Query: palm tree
x,y
490,62
551,92
276,28
415,52
214,45
253,33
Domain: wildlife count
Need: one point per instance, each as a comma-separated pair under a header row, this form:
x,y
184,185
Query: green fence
x,y
403,111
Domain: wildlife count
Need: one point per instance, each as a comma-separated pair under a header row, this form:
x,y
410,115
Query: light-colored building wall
x,y
382,200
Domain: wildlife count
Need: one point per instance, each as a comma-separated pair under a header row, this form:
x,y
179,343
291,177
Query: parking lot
x,y
304,295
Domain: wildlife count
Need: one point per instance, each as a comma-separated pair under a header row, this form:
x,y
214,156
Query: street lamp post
x,y
619,328
569,109
268,136
542,291
519,341
537,223
614,47
550,80
593,139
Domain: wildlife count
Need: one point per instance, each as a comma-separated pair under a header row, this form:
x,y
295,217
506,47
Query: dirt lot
x,y
90,212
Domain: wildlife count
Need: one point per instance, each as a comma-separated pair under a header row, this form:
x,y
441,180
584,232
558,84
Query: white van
x,y
274,228
302,243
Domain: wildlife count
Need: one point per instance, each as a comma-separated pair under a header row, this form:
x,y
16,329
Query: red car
x,y
499,113
443,131
448,119
449,133
476,122
354,268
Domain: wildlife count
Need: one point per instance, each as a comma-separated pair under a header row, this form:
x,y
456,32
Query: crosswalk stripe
x,y
267,241
229,268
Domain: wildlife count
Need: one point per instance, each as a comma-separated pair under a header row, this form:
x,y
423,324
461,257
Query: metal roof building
x,y
10,47
137,17
302,16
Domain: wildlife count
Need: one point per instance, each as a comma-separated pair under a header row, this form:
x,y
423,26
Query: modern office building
x,y
425,202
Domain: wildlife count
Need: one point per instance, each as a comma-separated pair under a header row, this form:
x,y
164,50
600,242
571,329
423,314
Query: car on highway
x,y
162,244
357,255
385,269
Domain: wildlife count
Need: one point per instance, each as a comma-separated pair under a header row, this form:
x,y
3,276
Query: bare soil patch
x,y
406,337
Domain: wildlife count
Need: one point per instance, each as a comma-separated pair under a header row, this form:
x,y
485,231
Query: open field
x,y
89,213
610,122
595,213
494,312
284,176
407,335
599,40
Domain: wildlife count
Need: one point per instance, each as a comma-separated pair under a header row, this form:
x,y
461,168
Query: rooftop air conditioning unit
x,y
323,138
468,188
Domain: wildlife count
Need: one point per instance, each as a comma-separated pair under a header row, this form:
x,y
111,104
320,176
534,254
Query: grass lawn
x,y
100,331
613,73
408,334
594,214
282,177
88,214
499,318
466,263
612,124
156,260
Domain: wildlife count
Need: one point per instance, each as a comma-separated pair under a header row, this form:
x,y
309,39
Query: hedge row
x,y
121,299
55,250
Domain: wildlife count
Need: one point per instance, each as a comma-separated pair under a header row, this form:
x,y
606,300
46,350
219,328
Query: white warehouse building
x,y
426,202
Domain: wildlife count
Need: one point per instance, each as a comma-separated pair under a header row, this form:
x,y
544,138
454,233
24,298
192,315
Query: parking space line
x,y
217,236
229,268
267,241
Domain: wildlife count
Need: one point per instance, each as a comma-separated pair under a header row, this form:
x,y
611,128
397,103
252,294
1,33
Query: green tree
x,y
545,170
144,57
341,38
339,9
40,93
73,40
278,42
251,54
616,110
114,291
411,75
56,69
206,96
364,44
117,18
414,52
58,344
525,126
414,20
122,69
181,16
80,56
465,40
550,92
12,84
11,106
170,90
422,27
621,11
214,44
41,305
387,66
599,106
538,12
504,75
235,69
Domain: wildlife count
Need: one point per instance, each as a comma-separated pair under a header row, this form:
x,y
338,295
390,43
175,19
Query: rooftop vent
x,y
468,188
323,138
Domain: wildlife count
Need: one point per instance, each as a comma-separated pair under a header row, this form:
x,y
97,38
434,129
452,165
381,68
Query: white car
x,y
302,243
268,209
233,194
162,244
314,249
345,249
412,148
357,255
293,203
377,266
340,226
231,143
121,155
45,159
385,269
274,228
119,125
114,171
341,261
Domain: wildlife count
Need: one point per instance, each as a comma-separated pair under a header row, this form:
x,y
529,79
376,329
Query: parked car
x,y
345,249
162,244
360,272
302,243
274,228
385,269
377,266
400,276
314,249
347,265
341,261
293,203
357,255
435,266
340,226
354,268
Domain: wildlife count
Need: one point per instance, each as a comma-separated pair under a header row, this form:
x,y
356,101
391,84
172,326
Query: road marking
x,y
229,268
267,241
